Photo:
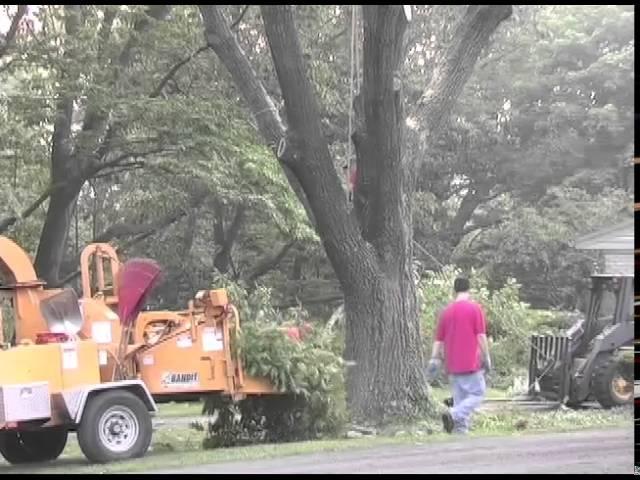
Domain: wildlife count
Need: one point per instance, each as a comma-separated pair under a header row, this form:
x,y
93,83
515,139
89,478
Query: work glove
x,y
486,364
433,368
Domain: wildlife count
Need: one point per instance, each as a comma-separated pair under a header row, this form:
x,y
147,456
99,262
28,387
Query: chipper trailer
x,y
97,365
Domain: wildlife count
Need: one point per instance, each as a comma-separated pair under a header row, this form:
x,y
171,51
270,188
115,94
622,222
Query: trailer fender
x,y
77,400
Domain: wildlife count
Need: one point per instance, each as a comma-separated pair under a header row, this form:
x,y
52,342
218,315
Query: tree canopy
x,y
216,139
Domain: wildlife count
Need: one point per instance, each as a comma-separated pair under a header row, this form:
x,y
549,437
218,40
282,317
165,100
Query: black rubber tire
x,y
32,446
93,448
607,367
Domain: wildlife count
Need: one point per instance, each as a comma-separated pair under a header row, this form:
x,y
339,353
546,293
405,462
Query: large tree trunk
x,y
384,344
64,175
225,238
8,40
53,237
383,332
371,251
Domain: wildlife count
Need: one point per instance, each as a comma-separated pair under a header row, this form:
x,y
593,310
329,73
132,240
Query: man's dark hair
x,y
461,285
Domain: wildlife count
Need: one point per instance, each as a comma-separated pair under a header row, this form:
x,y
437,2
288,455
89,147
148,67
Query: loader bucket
x,y
550,367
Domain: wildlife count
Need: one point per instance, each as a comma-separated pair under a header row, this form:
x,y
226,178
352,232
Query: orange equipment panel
x,y
63,366
190,351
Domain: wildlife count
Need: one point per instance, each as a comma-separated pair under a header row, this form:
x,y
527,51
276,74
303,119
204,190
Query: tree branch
x,y
142,25
9,39
234,229
221,39
456,65
306,151
227,238
336,36
481,225
170,74
105,28
218,222
94,168
237,21
73,275
8,222
61,148
468,205
124,167
470,202
269,263
189,231
95,124
138,231
497,58
126,229
7,65
383,182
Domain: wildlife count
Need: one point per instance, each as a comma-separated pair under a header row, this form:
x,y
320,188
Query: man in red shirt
x,y
461,339
353,176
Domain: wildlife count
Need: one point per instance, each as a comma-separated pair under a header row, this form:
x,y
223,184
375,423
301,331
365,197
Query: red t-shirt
x,y
458,329
352,179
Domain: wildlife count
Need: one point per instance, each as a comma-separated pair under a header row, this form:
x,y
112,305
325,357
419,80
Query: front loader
x,y
585,362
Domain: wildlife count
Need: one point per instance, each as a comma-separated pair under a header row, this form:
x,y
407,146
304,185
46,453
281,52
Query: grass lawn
x,y
176,410
439,394
194,409
177,446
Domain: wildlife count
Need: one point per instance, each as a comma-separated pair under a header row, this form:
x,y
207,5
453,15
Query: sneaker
x,y
447,422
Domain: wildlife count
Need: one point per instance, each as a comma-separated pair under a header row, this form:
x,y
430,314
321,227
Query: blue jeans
x,y
468,394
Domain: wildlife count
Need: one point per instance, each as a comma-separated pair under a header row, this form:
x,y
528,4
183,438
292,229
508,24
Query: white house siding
x,y
618,263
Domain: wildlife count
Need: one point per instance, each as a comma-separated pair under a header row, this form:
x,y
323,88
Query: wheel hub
x,y
115,429
622,387
118,429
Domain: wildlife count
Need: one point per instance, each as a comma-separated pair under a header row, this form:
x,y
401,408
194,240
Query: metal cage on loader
x,y
584,362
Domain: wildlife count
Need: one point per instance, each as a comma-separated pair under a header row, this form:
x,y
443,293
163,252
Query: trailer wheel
x,y
612,386
115,425
33,446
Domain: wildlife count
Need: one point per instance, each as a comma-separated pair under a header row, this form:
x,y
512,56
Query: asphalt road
x,y
596,452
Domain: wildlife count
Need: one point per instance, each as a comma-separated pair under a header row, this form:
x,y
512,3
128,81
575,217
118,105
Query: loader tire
x,y
32,446
611,385
115,425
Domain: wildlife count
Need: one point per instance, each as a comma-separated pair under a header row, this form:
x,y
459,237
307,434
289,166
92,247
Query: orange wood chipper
x,y
74,365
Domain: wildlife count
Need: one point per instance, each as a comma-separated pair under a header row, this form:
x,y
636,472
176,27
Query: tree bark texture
x,y
225,238
370,247
383,332
10,37
64,176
